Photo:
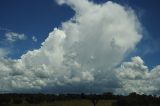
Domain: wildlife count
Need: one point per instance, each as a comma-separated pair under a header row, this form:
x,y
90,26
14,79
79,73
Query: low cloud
x,y
82,55
135,76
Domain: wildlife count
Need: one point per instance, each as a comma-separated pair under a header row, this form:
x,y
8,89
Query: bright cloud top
x,y
82,54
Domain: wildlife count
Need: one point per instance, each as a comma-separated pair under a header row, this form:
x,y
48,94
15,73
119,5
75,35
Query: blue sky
x,y
25,24
33,18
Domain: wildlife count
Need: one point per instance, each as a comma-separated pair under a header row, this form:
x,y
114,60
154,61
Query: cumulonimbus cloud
x,y
82,54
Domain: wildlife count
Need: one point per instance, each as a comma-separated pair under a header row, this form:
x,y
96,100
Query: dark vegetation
x,y
132,99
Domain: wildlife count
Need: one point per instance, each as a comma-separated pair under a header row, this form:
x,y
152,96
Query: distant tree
x,y
34,99
83,96
94,99
108,95
133,94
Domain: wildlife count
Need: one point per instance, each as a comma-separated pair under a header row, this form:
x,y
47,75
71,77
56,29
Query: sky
x,y
72,46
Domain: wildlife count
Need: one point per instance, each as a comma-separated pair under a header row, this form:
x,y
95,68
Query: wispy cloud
x,y
4,52
34,38
4,29
13,37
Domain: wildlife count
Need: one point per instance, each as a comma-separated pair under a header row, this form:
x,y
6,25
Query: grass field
x,y
70,103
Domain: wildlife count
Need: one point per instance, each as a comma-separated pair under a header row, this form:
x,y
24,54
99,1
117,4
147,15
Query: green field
x,y
70,103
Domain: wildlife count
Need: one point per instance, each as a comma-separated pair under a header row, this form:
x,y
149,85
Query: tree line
x,y
133,99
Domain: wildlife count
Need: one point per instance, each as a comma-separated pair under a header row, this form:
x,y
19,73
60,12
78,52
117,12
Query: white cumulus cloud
x,y
81,55
135,76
